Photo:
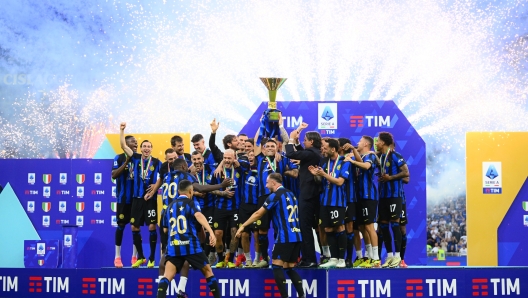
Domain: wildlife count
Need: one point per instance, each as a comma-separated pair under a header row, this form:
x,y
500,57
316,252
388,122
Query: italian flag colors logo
x,y
41,262
46,178
525,205
46,206
79,206
114,206
80,178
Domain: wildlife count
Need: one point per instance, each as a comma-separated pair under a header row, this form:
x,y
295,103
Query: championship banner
x,y
353,119
497,198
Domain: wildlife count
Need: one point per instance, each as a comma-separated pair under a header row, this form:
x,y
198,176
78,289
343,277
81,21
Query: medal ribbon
x,y
203,177
232,174
272,165
383,162
332,173
144,170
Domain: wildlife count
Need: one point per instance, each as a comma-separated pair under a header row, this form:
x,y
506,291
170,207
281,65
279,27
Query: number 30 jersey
x,y
182,227
282,204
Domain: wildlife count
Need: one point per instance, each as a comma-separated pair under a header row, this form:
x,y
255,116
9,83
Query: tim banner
x,y
338,283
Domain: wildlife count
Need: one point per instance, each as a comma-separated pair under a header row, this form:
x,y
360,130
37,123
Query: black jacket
x,y
308,157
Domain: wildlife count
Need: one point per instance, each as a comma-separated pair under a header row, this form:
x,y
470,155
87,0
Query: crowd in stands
x,y
446,226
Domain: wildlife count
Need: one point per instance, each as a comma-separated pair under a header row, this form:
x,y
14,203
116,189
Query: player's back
x,y
183,227
283,206
170,185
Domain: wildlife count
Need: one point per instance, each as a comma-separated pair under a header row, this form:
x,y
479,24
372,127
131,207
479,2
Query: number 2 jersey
x,y
182,227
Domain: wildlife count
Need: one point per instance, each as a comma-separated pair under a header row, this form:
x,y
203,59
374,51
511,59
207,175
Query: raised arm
x,y
124,146
257,149
283,132
217,153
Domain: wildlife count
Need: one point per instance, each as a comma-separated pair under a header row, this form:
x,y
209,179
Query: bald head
x,y
229,157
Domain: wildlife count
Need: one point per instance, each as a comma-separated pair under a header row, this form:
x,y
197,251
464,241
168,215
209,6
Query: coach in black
x,y
310,155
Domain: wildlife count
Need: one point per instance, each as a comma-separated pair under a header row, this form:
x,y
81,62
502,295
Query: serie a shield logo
x,y
63,178
62,206
80,191
46,178
97,206
41,249
80,178
46,206
31,178
31,206
79,220
79,206
98,178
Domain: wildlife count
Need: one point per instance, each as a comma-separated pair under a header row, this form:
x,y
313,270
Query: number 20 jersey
x,y
282,204
182,227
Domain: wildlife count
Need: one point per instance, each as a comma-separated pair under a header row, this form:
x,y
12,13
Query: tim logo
x,y
45,221
79,220
327,116
88,285
31,206
145,286
41,249
270,288
292,122
434,287
371,121
98,178
363,288
356,121
80,191
31,178
496,287
47,191
63,178
35,284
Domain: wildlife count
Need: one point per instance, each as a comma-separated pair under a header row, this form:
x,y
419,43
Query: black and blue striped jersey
x,y
182,227
125,181
334,195
283,208
366,186
390,165
146,172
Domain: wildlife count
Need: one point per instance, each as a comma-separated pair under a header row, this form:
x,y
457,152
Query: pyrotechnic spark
x,y
451,66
